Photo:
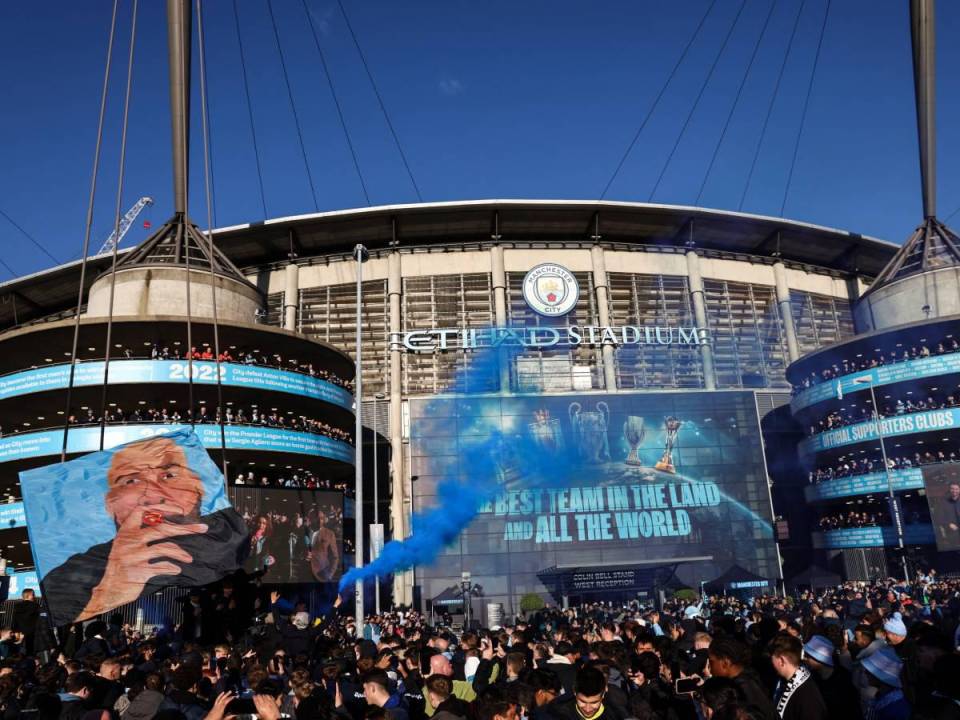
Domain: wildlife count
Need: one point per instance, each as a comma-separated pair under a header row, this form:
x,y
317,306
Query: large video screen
x,y
295,535
942,485
653,479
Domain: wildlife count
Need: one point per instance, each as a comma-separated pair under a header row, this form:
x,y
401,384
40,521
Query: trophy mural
x,y
590,431
546,431
672,426
633,432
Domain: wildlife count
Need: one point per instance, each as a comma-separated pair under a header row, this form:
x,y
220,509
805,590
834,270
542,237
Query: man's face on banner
x,y
954,492
153,472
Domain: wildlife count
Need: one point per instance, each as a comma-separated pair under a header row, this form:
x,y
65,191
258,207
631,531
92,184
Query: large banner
x,y
942,484
653,479
112,526
296,536
261,438
204,372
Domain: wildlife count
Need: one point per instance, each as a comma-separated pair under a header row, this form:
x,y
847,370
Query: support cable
x,y
770,105
696,102
116,226
656,100
208,191
87,229
947,218
183,227
336,101
206,126
246,91
29,237
293,106
383,107
736,101
806,105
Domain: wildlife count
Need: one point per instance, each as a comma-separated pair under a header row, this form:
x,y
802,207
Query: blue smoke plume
x,y
498,461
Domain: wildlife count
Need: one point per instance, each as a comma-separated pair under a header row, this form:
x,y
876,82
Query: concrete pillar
x,y
600,287
400,498
695,281
498,281
786,312
291,297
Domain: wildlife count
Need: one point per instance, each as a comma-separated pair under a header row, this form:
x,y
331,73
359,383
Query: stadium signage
x,y
444,339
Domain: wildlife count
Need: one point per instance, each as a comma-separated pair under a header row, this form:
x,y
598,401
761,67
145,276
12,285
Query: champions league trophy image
x,y
590,432
546,431
672,426
633,432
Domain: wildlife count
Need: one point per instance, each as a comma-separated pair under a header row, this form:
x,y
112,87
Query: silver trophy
x,y
633,432
546,431
590,431
672,426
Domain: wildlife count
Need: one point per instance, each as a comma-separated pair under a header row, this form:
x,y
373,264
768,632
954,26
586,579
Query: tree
x,y
531,602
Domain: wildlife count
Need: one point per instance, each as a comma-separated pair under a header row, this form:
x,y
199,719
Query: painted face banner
x,y
112,526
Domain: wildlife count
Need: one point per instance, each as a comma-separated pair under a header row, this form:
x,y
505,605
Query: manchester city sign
x,y
550,290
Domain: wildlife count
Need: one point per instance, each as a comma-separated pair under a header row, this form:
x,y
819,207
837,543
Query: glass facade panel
x,y
820,320
654,300
329,314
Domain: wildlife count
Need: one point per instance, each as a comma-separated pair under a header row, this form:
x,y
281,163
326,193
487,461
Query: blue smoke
x,y
498,461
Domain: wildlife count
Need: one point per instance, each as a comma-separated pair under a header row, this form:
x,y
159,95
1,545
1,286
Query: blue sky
x,y
495,99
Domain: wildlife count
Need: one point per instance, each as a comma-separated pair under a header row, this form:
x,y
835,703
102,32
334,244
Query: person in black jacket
x,y
730,658
26,618
797,696
588,701
834,681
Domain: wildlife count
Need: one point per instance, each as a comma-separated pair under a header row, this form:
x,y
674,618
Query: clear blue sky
x,y
491,99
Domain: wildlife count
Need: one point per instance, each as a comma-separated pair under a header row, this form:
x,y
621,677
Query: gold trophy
x,y
672,426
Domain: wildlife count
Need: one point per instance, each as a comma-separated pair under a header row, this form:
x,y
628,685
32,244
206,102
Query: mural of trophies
x,y
633,432
546,431
590,431
672,426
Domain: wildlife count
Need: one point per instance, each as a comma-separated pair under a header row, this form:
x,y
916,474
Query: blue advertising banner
x,y
20,581
175,371
12,516
908,479
872,537
890,426
886,375
239,437
111,526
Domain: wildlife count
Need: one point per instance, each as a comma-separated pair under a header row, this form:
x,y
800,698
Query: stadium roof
x,y
444,223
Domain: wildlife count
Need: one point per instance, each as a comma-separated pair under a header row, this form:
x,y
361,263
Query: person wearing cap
x,y
796,695
896,634
883,670
834,682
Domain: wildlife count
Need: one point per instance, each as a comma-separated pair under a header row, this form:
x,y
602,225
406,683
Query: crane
x,y
125,222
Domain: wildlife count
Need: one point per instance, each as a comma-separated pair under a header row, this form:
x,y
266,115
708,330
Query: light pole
x,y
894,507
360,254
376,501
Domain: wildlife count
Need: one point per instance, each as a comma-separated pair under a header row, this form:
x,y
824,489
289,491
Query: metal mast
x,y
178,55
924,43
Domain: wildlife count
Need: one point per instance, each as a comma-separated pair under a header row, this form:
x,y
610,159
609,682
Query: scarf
x,y
790,687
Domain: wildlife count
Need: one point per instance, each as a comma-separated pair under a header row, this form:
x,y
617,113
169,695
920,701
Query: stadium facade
x,y
632,311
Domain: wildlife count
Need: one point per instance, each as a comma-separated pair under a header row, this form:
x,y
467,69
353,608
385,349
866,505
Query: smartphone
x,y
686,686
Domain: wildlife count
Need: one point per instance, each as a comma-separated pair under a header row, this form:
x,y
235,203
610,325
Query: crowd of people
x,y
853,519
853,415
301,479
851,467
246,357
886,651
204,414
878,358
